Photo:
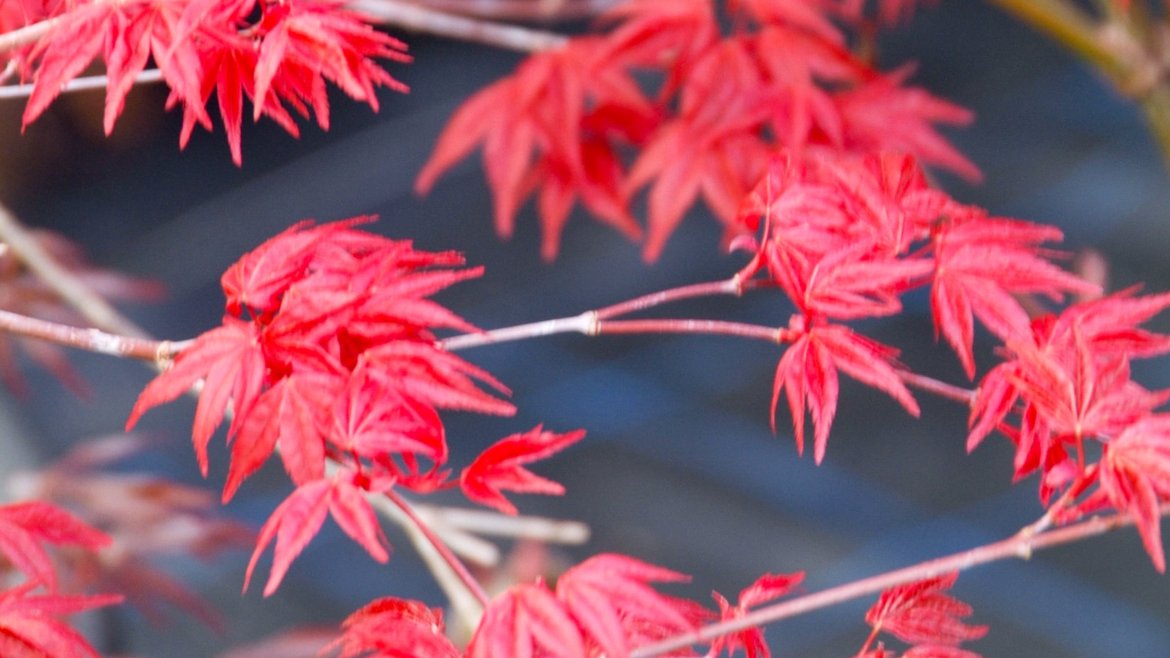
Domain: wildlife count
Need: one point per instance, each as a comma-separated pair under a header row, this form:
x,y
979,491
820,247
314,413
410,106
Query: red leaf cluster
x,y
767,587
782,77
328,351
845,237
603,606
29,612
1067,382
924,615
280,62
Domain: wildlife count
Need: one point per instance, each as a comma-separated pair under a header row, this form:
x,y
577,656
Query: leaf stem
x,y
469,582
1020,545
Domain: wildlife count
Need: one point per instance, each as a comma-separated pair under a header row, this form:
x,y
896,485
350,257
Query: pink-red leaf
x,y
500,467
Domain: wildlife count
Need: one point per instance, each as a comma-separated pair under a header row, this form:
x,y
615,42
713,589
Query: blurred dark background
x,y
680,467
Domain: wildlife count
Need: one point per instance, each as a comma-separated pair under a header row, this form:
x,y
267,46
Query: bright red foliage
x,y
24,527
605,604
767,587
299,517
395,628
844,238
924,615
500,467
283,60
29,624
29,627
783,77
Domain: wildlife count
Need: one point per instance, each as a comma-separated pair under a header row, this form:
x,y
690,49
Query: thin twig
x,y
91,306
87,83
412,17
469,582
525,10
83,338
1019,546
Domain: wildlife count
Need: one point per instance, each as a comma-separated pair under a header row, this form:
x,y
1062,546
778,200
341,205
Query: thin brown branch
x,y
91,306
92,340
469,582
1019,546
410,16
27,34
86,83
693,326
522,10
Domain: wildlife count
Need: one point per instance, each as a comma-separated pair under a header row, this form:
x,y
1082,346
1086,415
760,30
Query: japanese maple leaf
x,y
767,587
125,34
25,526
807,373
885,115
922,613
669,34
29,627
230,361
374,421
713,148
292,414
395,628
435,376
982,263
526,621
501,467
612,601
320,38
296,521
1134,476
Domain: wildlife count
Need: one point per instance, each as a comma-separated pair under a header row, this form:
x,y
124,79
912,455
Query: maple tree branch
x,y
469,582
1020,545
940,388
28,34
693,326
93,340
732,286
73,291
411,16
521,9
87,83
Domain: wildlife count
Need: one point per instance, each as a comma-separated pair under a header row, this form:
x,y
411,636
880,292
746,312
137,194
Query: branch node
x,y
591,323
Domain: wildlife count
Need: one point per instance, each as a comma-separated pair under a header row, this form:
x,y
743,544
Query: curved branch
x,y
1020,546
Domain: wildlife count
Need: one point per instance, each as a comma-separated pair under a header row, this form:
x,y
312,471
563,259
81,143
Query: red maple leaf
x,y
807,372
767,587
501,467
29,627
1134,477
981,264
23,528
532,126
922,613
1070,381
230,361
395,628
884,115
713,148
526,620
612,601
296,521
